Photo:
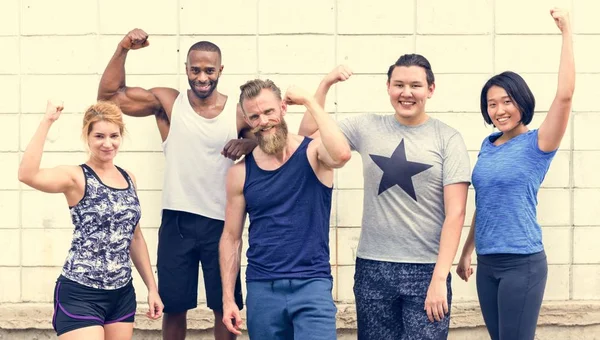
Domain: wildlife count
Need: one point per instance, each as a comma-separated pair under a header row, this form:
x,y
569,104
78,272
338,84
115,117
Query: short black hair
x,y
413,60
205,46
518,91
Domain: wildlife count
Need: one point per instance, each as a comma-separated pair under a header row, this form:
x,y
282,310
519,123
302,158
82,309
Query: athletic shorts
x,y
78,306
186,240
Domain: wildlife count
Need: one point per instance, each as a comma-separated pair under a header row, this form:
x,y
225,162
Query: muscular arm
x,y
134,101
334,150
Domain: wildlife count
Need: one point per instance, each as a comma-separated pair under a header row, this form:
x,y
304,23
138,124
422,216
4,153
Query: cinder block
x,y
584,165
10,55
333,246
10,243
585,97
141,134
345,282
46,247
56,17
376,17
470,125
9,209
39,283
160,57
351,175
583,46
9,22
531,17
349,207
586,212
557,285
63,55
239,53
557,244
9,171
469,53
77,92
357,51
586,282
151,238
219,17
10,86
586,125
154,17
64,135
10,281
372,87
585,245
457,17
538,53
348,245
151,202
296,54
584,16
448,97
543,87
147,167
554,206
9,127
311,16
42,210
558,174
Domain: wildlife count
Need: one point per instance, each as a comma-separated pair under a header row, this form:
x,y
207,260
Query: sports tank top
x,y
195,170
289,212
105,220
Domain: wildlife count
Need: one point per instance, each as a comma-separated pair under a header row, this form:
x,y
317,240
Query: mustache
x,y
260,128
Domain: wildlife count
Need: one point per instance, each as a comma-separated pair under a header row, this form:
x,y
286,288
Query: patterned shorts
x,y
390,301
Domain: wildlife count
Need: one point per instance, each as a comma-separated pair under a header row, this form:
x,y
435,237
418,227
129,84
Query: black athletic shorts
x,y
77,306
184,241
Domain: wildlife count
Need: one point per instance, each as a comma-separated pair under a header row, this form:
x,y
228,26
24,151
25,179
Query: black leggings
x,y
510,289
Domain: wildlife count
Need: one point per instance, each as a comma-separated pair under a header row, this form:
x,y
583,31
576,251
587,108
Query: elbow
x,y
341,159
24,176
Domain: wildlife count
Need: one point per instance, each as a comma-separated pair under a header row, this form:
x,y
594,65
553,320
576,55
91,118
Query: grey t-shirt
x,y
405,170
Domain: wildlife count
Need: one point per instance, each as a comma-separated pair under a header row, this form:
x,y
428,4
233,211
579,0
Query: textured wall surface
x,y
59,49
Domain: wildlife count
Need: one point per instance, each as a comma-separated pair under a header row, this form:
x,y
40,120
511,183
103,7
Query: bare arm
x,y
455,201
230,246
134,101
553,128
308,125
246,141
56,180
334,150
141,261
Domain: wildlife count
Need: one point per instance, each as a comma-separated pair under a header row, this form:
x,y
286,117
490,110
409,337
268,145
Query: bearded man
x,y
285,186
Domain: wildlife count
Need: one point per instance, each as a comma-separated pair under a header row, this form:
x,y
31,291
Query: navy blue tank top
x,y
289,212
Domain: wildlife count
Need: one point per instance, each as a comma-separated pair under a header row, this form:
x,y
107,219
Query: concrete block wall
x,y
60,48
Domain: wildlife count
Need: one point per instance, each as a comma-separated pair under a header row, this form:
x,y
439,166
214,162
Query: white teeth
x,y
502,119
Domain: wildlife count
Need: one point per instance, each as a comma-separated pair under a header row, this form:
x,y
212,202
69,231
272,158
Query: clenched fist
x,y
53,109
339,73
561,18
296,96
135,39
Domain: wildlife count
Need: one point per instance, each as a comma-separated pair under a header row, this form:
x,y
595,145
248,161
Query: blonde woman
x,y
94,296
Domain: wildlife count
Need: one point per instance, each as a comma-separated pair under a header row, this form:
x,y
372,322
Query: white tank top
x,y
195,170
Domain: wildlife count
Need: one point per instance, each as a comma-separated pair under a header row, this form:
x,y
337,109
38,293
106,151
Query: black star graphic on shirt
x,y
398,170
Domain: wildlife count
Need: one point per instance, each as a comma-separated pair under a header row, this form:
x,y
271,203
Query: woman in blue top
x,y
94,297
510,168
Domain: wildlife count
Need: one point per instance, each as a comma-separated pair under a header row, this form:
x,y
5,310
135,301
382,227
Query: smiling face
x,y
409,91
264,113
104,141
203,69
502,110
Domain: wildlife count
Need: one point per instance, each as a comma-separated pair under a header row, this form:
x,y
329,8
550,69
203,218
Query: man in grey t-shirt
x,y
416,176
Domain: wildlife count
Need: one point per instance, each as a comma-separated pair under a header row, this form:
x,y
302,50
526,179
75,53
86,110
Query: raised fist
x,y
53,109
561,18
339,73
135,39
296,96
